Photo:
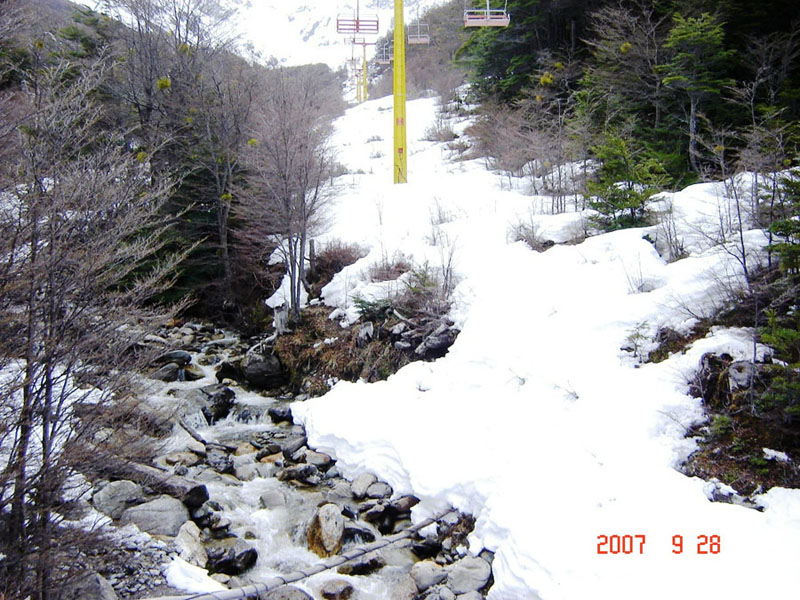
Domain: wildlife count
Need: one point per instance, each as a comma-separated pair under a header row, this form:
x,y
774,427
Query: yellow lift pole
x,y
400,149
364,71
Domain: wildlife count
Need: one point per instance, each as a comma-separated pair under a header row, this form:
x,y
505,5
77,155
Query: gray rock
x,y
318,459
116,497
439,592
337,589
263,371
470,596
179,357
272,499
162,516
366,565
218,459
378,490
468,574
426,574
326,531
280,414
304,473
190,545
247,471
219,400
168,373
232,556
288,593
89,586
361,483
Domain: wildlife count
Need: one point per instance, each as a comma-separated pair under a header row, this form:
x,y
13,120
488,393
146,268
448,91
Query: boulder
x,y
193,373
280,414
304,473
426,574
229,370
89,586
217,458
245,449
263,370
468,574
272,499
337,589
470,596
232,556
218,401
168,373
116,497
326,531
363,565
379,489
162,516
179,357
361,483
439,592
190,545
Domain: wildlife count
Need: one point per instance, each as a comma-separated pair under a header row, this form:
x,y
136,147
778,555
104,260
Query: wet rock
x,y
232,556
280,414
326,531
426,574
229,370
291,445
378,490
359,532
193,373
468,574
190,545
304,473
263,371
272,499
89,586
337,589
179,357
361,483
207,514
363,566
116,497
168,373
219,400
287,593
427,548
217,458
318,459
162,516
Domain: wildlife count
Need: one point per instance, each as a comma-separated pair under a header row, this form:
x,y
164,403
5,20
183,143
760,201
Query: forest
x,y
148,171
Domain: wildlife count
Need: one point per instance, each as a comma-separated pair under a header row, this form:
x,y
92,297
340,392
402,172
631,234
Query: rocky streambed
x,y
235,489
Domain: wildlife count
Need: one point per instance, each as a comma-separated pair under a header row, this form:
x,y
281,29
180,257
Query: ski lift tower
x,y
400,148
488,17
358,24
361,74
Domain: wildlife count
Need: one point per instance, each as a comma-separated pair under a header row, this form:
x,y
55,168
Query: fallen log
x,y
190,492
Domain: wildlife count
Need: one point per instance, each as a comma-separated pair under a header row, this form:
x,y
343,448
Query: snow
x,y
536,421
184,576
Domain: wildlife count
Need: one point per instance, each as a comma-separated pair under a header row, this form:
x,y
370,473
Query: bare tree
x,y
291,163
81,231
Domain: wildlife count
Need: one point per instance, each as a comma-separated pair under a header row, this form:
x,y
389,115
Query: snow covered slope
x,y
535,421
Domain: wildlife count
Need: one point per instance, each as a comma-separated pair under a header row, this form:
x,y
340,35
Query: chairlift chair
x,y
384,56
418,33
355,23
488,17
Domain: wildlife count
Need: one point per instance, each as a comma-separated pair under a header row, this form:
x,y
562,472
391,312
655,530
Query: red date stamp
x,y
634,544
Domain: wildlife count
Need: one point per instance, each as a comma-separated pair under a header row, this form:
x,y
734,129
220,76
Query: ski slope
x,y
536,422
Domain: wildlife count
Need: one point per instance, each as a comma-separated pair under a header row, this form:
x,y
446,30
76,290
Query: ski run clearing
x,y
536,421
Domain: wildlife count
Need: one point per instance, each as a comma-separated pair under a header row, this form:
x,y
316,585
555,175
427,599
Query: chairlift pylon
x,y
488,17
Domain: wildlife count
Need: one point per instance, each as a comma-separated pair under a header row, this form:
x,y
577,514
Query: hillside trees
x,y
81,225
290,164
